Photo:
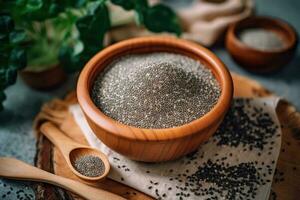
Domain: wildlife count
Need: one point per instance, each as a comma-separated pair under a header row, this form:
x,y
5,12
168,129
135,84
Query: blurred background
x,y
23,102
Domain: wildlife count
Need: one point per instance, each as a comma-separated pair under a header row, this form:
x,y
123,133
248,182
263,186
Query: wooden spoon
x,y
16,169
72,150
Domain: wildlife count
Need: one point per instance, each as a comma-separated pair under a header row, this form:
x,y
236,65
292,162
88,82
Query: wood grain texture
x,y
256,60
288,164
154,145
12,168
44,160
72,150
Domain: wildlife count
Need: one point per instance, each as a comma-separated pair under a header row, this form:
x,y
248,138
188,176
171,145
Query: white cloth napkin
x,y
206,22
203,21
238,162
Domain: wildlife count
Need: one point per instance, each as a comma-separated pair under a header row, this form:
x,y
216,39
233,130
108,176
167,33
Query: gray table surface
x,y
17,140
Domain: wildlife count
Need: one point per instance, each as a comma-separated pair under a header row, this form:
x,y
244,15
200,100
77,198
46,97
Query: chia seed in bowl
x,y
262,39
193,63
155,90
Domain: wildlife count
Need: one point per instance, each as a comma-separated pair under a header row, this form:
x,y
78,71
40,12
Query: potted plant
x,y
42,37
43,70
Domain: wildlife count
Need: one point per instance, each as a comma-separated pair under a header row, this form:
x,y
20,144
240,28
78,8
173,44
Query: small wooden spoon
x,y
16,169
72,150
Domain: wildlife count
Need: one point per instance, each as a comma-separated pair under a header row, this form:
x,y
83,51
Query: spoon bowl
x,y
83,151
71,151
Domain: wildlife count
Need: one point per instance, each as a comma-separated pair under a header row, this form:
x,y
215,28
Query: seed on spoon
x,y
88,165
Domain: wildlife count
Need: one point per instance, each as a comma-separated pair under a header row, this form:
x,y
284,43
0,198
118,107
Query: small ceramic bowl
x,y
257,60
153,145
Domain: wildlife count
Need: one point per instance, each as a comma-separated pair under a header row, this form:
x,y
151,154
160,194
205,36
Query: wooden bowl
x,y
153,145
257,60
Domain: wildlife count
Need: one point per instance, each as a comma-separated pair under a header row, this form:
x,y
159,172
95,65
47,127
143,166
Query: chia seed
x,y
155,90
262,39
233,182
91,166
246,125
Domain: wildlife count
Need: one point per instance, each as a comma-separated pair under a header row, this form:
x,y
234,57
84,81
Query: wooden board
x,y
286,182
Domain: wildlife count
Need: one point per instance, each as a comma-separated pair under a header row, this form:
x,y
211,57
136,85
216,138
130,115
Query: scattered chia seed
x,y
115,158
278,176
156,90
273,195
91,166
246,125
261,39
233,182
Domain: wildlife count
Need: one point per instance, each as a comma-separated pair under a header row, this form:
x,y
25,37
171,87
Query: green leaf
x,y
17,36
40,10
49,10
92,29
7,77
6,25
54,9
160,18
3,79
76,3
11,76
126,4
12,54
69,60
141,7
33,5
18,58
21,2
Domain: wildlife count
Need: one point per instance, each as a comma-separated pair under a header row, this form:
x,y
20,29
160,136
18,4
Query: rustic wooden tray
x,y
286,182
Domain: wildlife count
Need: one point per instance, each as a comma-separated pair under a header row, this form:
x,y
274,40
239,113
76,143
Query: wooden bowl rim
x,y
130,132
275,22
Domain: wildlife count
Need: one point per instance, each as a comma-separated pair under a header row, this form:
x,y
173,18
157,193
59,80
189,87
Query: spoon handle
x,y
59,139
16,169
